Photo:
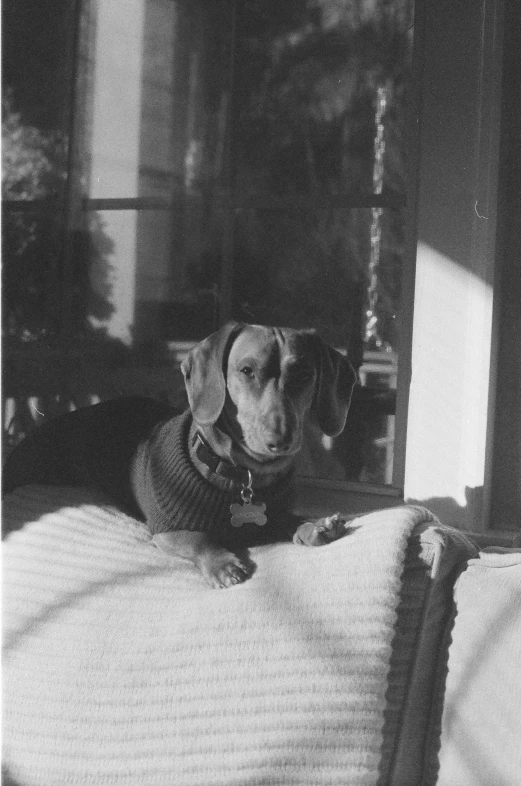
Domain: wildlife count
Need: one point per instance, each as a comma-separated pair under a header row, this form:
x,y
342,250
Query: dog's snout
x,y
278,431
279,445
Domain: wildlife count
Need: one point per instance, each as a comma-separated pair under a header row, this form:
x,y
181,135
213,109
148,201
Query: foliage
x,y
33,162
34,168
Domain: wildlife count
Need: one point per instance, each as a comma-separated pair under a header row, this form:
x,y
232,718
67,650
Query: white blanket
x,y
121,666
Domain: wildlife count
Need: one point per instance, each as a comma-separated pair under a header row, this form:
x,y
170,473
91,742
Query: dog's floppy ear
x,y
204,374
334,386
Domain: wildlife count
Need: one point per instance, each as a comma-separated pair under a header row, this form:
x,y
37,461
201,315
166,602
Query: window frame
x,y
435,32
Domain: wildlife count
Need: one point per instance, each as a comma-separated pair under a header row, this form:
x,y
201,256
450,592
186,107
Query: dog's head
x,y
261,383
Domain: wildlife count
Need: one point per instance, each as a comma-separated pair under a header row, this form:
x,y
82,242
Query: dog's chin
x,y
248,452
261,460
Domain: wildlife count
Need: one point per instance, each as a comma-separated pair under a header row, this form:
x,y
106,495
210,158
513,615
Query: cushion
x,y
121,666
481,723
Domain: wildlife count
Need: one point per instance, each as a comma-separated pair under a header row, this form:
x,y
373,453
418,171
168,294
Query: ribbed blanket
x,y
121,666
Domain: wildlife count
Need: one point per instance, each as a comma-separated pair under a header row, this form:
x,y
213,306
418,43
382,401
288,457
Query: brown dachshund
x,y
214,478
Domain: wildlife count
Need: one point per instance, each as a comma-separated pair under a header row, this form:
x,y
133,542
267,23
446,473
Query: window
x,y
169,165
222,160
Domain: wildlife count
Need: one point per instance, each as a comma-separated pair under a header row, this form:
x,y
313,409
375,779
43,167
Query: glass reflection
x,y
244,130
308,81
332,270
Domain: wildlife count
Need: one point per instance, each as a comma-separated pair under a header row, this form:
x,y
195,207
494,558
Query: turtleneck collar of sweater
x,y
175,490
222,472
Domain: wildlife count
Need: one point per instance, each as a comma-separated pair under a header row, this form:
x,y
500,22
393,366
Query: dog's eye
x,y
247,371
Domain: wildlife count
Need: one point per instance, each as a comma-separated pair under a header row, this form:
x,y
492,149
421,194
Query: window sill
x,y
317,497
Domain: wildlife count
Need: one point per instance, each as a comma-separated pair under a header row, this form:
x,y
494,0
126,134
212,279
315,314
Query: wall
x,y
446,450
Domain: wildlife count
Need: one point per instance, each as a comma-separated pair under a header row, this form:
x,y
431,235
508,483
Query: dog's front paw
x,y
320,532
223,569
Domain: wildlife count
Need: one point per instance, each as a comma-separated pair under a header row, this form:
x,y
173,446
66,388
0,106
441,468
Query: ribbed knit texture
x,y
173,495
122,667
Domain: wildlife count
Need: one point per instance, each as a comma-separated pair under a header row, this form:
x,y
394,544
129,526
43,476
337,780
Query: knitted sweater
x,y
172,494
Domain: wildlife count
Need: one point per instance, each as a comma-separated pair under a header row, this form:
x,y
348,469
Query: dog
x,y
216,478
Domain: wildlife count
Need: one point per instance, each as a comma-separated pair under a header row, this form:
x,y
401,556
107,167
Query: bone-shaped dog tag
x,y
248,513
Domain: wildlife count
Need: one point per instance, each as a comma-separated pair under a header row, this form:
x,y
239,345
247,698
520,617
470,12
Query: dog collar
x,y
216,464
246,511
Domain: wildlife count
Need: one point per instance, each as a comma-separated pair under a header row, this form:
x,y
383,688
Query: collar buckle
x,y
216,464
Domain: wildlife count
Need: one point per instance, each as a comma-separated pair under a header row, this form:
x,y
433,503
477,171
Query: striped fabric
x,y
121,666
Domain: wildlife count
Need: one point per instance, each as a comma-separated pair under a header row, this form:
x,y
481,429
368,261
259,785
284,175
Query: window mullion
x,y
72,195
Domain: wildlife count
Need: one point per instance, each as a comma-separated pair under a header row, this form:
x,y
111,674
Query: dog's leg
x,y
220,567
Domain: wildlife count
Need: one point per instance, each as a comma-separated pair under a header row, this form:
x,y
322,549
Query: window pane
x,y
37,52
319,96
181,104
31,254
322,268
155,86
153,275
340,272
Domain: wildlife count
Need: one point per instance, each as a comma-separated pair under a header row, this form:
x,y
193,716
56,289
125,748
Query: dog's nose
x,y
279,446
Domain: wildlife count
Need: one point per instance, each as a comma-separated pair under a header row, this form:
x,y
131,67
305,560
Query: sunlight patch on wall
x,y
450,379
